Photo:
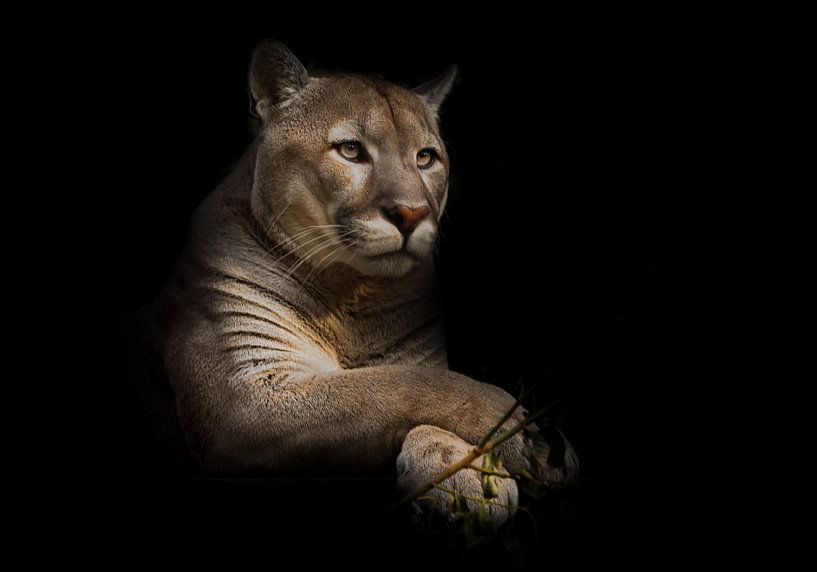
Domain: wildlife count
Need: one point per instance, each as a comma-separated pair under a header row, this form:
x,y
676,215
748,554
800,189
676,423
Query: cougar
x,y
301,331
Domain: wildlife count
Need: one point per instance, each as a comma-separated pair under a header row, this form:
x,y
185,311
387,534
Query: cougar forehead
x,y
356,107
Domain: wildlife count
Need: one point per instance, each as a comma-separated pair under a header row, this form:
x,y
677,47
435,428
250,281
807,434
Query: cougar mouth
x,y
394,254
376,251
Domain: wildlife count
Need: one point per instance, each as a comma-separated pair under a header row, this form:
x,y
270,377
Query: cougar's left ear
x,y
275,77
433,92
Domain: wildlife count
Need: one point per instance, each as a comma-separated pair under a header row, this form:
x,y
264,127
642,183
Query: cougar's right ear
x,y
275,77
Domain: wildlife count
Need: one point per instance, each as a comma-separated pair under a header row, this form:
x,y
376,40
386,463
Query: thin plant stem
x,y
501,422
490,472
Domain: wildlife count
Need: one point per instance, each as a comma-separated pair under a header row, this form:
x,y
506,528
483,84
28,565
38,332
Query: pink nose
x,y
405,218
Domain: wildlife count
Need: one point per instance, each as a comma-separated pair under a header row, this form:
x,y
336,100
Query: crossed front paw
x,y
428,450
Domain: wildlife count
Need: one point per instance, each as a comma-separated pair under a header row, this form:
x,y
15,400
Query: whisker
x,y
307,230
294,237
294,253
327,260
335,244
280,214
301,234
310,241
310,255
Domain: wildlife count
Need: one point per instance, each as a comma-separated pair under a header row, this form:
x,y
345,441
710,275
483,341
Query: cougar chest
x,y
388,331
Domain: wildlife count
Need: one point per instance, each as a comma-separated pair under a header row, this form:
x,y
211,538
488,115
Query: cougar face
x,y
350,170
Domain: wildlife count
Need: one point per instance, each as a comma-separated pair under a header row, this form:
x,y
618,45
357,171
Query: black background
x,y
596,153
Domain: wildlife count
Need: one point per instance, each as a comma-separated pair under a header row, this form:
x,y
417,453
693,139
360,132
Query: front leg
x,y
344,421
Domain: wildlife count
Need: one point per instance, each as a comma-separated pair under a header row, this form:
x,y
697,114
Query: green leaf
x,y
460,504
526,474
490,489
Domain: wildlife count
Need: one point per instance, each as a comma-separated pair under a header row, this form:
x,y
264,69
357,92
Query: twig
x,y
490,472
501,422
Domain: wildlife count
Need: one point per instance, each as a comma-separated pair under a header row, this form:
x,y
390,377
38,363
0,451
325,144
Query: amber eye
x,y
350,150
426,158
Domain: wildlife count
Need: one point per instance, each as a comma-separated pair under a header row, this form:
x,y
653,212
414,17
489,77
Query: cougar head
x,y
350,169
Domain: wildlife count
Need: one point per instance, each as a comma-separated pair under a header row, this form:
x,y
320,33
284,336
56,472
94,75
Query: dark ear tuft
x,y
433,92
275,76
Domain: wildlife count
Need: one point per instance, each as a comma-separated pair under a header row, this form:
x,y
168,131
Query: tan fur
x,y
295,351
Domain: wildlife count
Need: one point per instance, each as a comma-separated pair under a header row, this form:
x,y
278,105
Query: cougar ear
x,y
275,77
433,92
